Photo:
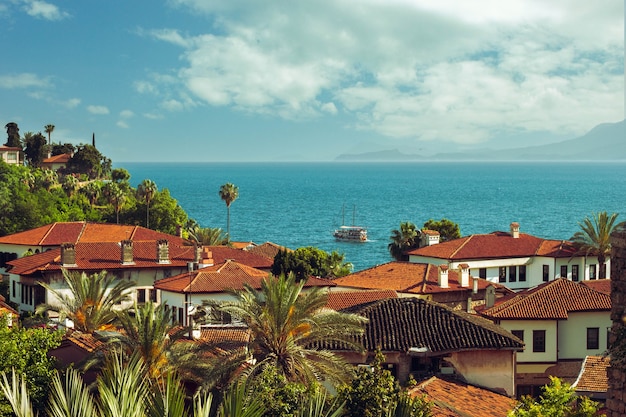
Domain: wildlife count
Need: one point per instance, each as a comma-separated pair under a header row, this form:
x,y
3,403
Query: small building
x,y
562,322
593,379
56,162
517,260
423,338
11,155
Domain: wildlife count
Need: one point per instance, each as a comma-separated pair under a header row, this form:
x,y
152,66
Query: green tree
x,y
120,175
89,161
448,230
92,190
146,191
69,183
310,261
25,351
207,236
116,197
60,149
49,129
228,193
403,240
92,300
557,400
35,149
594,237
13,135
374,392
286,324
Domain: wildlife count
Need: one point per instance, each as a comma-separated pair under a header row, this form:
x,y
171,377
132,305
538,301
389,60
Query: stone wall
x,y
616,396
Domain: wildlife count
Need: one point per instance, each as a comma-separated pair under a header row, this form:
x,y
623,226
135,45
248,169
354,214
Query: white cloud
x,y
122,124
97,109
153,116
44,10
450,70
23,80
172,105
71,103
127,114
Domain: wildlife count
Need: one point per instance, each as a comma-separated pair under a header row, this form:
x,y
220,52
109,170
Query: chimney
x,y
515,230
163,251
490,296
429,237
127,252
197,253
207,258
68,254
475,285
443,276
464,275
179,230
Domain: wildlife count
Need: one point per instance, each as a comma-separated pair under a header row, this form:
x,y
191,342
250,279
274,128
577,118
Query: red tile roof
x,y
59,159
496,245
228,275
602,285
593,375
85,341
222,277
5,308
55,234
552,300
339,300
457,399
408,277
267,249
222,253
225,334
99,256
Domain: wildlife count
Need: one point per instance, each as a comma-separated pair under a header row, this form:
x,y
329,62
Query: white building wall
x,y
573,334
528,326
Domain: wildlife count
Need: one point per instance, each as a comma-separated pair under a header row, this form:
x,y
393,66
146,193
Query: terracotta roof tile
x,y
496,245
59,159
551,300
102,256
222,277
222,253
457,399
85,341
593,375
267,249
408,277
6,308
602,285
397,324
339,300
225,334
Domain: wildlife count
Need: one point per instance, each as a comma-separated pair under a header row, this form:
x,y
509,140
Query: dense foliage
x,y
448,230
310,261
25,351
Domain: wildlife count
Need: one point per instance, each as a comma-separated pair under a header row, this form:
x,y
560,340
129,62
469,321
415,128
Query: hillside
x,y
605,142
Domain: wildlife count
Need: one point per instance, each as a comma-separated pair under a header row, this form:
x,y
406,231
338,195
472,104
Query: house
x,y
455,288
423,338
56,162
562,322
11,155
50,236
515,259
340,300
593,380
453,398
215,282
142,262
74,350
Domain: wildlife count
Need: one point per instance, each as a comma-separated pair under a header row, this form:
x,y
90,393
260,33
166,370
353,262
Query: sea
x,y
300,204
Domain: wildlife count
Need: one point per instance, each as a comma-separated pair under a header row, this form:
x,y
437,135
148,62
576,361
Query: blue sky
x,y
232,80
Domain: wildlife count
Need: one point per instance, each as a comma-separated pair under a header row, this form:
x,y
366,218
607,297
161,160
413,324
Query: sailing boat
x,y
350,233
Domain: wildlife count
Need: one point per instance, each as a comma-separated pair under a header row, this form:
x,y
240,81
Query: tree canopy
x,y
448,230
310,261
405,238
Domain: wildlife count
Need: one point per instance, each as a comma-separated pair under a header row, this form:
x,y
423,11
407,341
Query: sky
x,y
233,80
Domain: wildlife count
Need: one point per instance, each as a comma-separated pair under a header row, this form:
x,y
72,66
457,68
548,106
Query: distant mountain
x,y
605,142
379,156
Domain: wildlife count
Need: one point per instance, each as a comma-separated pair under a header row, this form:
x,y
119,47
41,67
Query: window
x,y
563,271
512,273
482,273
519,334
141,296
502,274
153,295
546,273
593,338
539,340
574,272
180,316
592,271
14,289
522,273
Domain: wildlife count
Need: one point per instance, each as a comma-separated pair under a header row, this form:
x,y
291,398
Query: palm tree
x,y
402,240
49,129
208,236
91,302
146,190
116,196
229,193
149,331
594,237
92,191
286,325
69,184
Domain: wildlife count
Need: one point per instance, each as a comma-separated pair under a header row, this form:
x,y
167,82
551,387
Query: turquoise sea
x,y
299,204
